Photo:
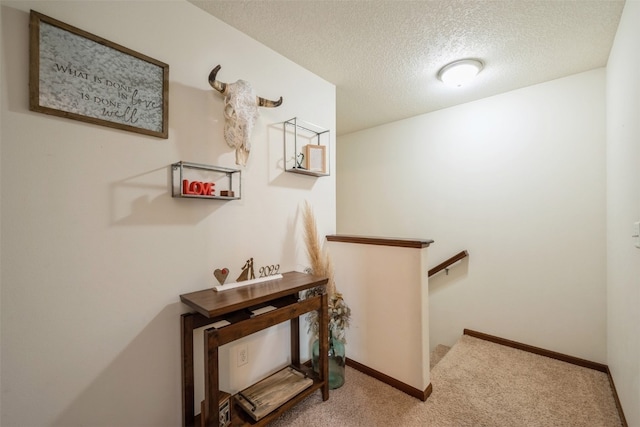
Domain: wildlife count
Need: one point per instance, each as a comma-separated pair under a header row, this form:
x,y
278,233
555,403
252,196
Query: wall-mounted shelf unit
x,y
306,148
198,181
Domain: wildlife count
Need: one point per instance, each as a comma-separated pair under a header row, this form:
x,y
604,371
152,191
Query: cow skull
x,y
240,112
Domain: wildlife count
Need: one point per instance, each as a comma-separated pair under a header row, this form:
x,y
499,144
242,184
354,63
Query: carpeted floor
x,y
477,383
437,354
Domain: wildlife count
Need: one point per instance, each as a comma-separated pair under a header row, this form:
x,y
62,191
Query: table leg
x,y
295,341
324,345
211,416
186,339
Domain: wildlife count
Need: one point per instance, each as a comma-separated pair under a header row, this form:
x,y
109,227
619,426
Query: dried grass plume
x,y
321,265
319,259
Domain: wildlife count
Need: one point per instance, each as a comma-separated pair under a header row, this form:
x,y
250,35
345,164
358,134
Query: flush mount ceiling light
x,y
460,72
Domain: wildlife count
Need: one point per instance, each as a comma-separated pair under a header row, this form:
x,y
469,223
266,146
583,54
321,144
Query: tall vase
x,y
336,358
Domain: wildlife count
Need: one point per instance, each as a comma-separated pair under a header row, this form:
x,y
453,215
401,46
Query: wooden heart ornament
x,y
221,275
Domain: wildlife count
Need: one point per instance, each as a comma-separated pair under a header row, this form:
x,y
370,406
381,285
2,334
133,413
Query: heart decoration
x,y
221,275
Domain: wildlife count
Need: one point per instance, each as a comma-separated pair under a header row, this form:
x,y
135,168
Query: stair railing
x,y
446,264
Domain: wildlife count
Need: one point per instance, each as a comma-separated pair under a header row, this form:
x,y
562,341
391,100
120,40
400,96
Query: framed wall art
x,y
316,158
78,75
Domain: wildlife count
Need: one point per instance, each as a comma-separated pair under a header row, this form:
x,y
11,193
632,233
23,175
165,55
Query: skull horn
x,y
219,86
263,102
222,87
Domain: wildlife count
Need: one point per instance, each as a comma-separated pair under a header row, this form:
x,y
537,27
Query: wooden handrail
x,y
381,241
443,265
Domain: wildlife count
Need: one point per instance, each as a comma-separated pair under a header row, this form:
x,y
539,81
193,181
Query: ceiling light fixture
x,y
461,72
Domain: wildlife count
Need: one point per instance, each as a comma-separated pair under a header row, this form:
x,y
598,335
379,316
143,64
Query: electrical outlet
x,y
242,354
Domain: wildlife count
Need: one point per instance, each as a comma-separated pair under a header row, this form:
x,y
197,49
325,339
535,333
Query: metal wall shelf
x,y
201,179
306,148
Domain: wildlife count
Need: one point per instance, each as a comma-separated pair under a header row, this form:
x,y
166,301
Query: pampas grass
x,y
319,259
321,265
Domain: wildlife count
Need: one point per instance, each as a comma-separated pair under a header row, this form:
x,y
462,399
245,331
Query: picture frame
x,y
81,76
316,158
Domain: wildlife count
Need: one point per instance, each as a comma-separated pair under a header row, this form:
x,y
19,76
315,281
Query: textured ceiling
x,y
383,56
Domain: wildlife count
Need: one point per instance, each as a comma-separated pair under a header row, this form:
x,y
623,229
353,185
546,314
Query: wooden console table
x,y
235,306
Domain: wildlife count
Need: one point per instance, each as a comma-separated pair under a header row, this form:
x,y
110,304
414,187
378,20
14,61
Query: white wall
x,y
95,252
623,209
519,181
389,301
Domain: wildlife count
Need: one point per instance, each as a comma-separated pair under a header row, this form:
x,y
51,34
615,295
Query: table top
x,y
210,303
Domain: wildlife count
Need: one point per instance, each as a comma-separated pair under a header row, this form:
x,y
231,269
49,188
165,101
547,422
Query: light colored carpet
x,y
437,354
478,383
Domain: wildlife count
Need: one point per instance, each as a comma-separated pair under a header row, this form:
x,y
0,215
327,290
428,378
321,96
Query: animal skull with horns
x,y
240,112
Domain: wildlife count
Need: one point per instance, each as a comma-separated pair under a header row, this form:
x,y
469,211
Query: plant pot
x,y
337,361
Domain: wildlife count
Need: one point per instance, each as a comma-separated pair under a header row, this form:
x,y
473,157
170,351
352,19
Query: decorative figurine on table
x,y
247,271
221,274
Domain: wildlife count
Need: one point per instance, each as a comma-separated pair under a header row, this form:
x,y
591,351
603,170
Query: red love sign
x,y
198,188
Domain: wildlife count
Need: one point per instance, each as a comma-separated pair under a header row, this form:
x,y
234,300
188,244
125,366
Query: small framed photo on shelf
x,y
316,158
